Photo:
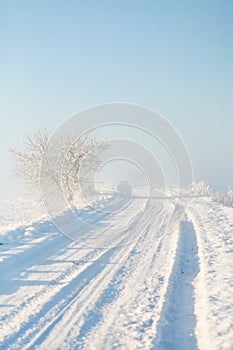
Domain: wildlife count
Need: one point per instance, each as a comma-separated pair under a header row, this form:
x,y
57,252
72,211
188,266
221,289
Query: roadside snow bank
x,y
213,224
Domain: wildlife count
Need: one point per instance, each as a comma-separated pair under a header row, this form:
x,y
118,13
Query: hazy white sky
x,y
176,57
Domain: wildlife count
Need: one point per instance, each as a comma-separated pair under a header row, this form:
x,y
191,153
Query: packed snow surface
x,y
144,284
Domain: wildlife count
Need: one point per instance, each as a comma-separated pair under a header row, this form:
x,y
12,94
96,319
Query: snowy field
x,y
150,287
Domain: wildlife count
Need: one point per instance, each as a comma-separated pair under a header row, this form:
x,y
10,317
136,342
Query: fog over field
x,y
116,201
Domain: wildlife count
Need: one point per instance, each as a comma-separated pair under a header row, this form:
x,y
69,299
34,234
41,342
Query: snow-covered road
x,y
147,288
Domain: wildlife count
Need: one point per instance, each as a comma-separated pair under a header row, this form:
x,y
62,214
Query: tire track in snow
x,y
29,302
91,291
58,303
39,254
115,315
81,301
176,329
26,331
112,291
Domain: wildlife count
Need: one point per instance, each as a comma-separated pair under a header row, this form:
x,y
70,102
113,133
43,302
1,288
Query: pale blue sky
x,y
176,57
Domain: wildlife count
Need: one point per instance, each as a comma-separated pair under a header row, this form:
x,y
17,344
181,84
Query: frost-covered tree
x,y
57,164
230,197
201,188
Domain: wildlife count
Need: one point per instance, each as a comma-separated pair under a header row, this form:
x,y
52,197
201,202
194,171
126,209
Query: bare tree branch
x,y
61,162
